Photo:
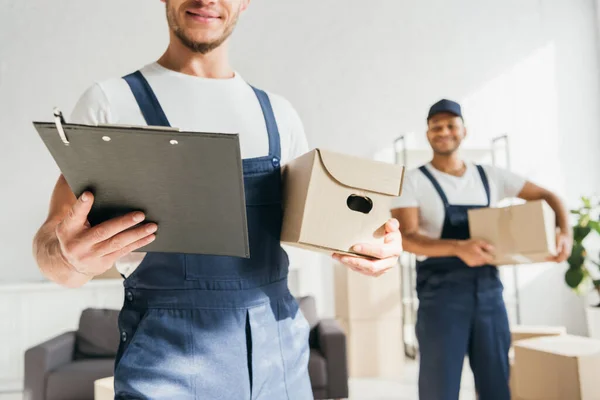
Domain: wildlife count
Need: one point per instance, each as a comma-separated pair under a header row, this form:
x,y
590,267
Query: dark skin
x,y
445,133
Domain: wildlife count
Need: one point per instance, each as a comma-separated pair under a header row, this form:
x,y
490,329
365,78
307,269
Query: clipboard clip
x,y
58,121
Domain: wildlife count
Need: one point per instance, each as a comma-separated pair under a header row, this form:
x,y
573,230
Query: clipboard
x,y
190,183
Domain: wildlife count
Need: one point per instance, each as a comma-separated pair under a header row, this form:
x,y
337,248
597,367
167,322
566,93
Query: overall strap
x,y
146,99
435,184
486,184
272,129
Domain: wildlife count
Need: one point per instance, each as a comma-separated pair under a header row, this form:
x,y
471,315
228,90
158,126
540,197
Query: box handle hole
x,y
359,204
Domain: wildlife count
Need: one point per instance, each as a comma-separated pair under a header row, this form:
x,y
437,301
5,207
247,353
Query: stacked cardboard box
x,y
523,332
104,389
557,368
369,310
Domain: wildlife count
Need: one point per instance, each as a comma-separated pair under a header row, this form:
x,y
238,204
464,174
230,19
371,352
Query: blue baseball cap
x,y
445,106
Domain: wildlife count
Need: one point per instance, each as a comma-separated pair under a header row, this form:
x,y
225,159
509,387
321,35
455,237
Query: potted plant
x,y
584,270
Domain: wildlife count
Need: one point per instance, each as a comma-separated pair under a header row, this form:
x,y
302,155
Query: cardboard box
x,y
521,234
558,368
521,332
375,347
104,389
333,201
363,297
512,380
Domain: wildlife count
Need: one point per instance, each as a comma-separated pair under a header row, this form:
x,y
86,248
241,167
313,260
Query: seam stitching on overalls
x,y
193,346
281,348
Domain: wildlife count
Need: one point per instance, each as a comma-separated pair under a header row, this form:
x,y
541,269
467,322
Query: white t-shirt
x,y
195,104
467,189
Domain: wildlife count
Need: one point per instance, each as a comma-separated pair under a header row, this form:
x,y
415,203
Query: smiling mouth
x,y
202,17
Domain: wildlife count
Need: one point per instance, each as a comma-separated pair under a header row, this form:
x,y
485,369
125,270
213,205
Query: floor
x,y
373,389
403,389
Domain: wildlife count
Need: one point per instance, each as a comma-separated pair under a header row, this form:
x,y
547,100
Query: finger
x,y
132,247
110,228
383,272
379,251
77,214
124,239
485,246
368,265
350,265
392,225
563,255
485,257
560,245
392,236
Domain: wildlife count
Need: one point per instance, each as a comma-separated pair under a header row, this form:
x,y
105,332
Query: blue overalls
x,y
461,311
215,327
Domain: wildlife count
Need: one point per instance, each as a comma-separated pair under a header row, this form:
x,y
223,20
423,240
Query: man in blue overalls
x,y
198,326
461,310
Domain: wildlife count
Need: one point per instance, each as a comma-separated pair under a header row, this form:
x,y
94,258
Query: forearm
x,y
424,246
52,264
562,215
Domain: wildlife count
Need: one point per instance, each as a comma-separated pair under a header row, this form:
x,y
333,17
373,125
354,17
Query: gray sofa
x,y
66,366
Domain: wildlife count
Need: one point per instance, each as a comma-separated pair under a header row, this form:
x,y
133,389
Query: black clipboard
x,y
190,183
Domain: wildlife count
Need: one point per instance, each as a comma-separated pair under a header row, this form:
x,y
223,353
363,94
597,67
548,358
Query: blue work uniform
x,y
216,327
461,312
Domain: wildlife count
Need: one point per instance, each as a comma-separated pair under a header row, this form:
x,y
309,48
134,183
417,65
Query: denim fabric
x,y
216,327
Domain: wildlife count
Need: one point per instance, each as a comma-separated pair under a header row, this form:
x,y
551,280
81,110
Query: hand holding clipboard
x,y
184,182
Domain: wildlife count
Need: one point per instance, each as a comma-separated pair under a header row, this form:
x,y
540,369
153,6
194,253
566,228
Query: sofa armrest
x,y
332,344
43,358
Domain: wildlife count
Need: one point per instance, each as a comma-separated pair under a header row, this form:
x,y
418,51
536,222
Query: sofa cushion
x,y
98,333
75,381
317,369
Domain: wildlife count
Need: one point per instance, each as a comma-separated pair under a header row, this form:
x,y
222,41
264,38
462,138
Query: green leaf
x,y
580,232
584,220
574,277
577,212
596,282
577,257
586,202
595,225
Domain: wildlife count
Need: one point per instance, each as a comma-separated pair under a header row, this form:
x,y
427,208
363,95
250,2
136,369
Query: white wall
x,y
35,312
359,73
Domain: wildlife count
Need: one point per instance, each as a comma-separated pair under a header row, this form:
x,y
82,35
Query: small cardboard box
x,y
375,347
333,201
558,368
361,297
521,234
521,332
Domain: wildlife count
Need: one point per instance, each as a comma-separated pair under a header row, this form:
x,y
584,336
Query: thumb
x,y
392,225
78,214
560,244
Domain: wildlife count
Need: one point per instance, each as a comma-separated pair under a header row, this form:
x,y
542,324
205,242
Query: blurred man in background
x,y
461,308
